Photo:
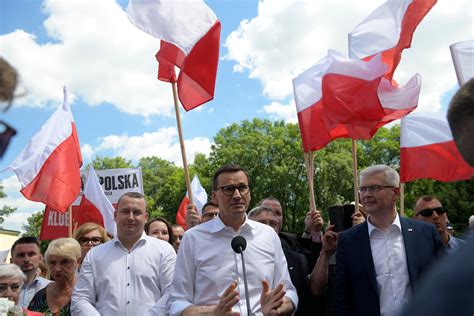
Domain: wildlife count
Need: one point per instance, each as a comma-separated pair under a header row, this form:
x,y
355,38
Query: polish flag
x,y
388,30
190,34
340,98
48,167
95,207
463,60
199,199
427,150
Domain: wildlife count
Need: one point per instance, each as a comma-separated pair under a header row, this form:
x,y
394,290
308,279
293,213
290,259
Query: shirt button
x,y
128,268
128,302
128,284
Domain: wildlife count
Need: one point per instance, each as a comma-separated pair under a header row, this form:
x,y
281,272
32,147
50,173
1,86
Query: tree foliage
x,y
5,210
272,154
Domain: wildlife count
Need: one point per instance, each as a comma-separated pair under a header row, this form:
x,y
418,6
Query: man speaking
x,y
208,276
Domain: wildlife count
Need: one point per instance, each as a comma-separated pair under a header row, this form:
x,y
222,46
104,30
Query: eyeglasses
x,y
94,241
230,189
427,212
374,188
271,223
210,214
15,287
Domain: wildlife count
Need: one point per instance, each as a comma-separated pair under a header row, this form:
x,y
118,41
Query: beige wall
x,y
7,238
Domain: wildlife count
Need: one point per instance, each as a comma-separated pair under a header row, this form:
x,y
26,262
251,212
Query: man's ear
x,y
214,197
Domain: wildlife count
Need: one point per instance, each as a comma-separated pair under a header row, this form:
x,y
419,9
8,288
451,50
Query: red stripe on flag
x,y
440,161
58,182
181,214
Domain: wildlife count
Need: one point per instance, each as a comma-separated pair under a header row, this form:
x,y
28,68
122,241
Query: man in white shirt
x,y
208,276
379,262
26,254
129,275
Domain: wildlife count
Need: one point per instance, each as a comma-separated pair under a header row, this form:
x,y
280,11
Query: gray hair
x,y
11,270
259,209
471,221
391,176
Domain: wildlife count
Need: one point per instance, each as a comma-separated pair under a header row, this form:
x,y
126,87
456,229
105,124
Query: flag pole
x,y
356,182
69,210
402,199
181,143
309,162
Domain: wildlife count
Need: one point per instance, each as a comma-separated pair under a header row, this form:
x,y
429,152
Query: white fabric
x,y
398,98
463,59
422,129
94,193
206,266
199,194
4,255
55,131
380,31
391,269
182,22
116,281
307,87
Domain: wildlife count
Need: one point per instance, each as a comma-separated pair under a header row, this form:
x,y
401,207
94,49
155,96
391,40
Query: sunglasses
x,y
427,212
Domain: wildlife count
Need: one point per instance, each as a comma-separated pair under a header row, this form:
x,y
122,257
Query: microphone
x,y
238,244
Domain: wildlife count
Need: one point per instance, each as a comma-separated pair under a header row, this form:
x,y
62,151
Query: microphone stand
x,y
247,298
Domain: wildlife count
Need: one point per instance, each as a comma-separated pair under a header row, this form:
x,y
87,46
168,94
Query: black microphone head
x,y
238,244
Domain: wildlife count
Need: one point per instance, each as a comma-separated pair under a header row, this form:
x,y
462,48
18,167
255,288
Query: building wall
x,y
7,238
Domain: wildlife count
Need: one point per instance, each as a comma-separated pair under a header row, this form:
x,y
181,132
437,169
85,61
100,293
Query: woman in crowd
x,y
161,229
89,235
62,258
11,281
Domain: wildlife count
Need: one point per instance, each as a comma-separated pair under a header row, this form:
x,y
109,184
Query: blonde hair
x,y
64,247
86,228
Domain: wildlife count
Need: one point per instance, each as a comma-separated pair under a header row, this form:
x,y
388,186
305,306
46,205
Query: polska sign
x,y
114,182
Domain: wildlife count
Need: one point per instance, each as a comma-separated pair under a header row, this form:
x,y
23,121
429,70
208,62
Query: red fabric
x,y
181,214
55,224
59,181
197,79
440,161
88,212
314,133
415,12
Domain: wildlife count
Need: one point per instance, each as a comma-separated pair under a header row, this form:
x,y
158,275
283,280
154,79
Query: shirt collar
x,y
142,240
219,225
395,223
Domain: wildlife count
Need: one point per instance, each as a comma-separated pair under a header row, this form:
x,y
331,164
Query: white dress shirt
x,y
28,291
391,269
117,281
206,266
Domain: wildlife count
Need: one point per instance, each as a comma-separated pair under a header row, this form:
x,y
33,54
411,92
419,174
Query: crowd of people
x,y
385,264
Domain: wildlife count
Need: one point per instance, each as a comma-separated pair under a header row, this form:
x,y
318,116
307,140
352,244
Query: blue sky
x,y
121,109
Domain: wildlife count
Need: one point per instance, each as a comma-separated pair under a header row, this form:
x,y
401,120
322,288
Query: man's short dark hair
x,y
209,203
134,195
426,198
25,240
461,118
227,168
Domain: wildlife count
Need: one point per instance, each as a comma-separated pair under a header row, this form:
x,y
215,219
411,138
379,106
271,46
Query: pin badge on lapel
x,y
410,229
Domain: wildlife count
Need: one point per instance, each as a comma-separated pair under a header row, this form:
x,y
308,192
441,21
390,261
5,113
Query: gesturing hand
x,y
228,299
271,300
192,217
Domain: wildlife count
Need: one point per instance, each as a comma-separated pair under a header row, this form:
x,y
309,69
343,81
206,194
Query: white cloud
x,y
25,208
288,36
279,111
96,52
163,143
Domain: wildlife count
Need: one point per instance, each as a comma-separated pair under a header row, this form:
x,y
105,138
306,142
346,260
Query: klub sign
x,y
114,182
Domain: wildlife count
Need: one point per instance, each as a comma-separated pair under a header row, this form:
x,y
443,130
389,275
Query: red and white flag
x,y
427,150
340,97
48,167
463,60
199,199
388,30
190,34
95,206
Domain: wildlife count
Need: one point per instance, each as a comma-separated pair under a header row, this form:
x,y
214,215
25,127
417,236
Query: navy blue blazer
x,y
356,285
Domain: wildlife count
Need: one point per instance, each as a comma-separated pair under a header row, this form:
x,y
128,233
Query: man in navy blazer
x,y
380,262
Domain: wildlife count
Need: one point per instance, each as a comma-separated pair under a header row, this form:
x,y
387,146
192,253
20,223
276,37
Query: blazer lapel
x,y
367,254
409,239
